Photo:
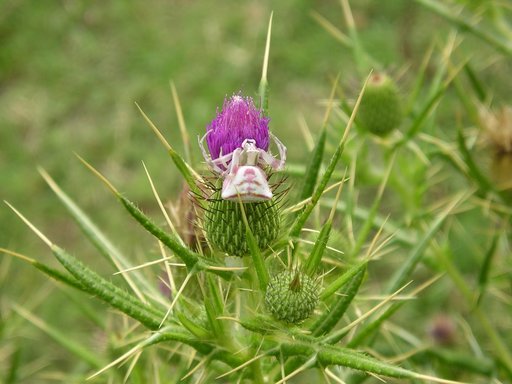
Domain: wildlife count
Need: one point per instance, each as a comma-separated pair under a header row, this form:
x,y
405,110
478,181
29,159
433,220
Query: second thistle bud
x,y
225,228
380,110
291,296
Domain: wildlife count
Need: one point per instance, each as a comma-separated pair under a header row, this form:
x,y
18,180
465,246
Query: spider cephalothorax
x,y
244,177
238,140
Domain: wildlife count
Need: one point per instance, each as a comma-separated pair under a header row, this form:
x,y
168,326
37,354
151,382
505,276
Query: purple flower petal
x,y
238,120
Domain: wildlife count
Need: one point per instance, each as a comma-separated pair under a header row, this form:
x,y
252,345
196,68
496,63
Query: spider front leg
x,y
268,159
208,159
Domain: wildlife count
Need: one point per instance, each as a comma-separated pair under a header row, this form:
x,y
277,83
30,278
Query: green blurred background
x,y
71,72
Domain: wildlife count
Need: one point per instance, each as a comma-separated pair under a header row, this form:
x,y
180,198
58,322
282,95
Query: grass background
x,y
71,71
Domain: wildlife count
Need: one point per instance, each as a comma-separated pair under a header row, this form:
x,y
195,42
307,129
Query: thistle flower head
x,y
238,120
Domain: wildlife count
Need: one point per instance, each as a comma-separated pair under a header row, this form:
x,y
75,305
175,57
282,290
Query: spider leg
x,y
235,160
207,157
268,159
223,159
282,152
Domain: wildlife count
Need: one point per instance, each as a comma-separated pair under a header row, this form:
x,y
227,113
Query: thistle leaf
x,y
331,317
304,214
194,328
403,274
483,276
263,87
98,239
313,169
342,280
49,271
315,257
108,292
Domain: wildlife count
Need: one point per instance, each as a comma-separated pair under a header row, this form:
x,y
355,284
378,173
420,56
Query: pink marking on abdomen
x,y
249,174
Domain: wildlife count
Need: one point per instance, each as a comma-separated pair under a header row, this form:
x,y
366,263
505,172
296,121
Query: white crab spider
x,y
244,178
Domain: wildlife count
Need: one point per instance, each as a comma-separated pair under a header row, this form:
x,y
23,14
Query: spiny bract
x,y
291,296
225,229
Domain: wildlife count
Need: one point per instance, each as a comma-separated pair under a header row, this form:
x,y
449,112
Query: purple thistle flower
x,y
238,120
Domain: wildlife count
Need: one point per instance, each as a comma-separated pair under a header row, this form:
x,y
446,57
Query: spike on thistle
x,y
295,283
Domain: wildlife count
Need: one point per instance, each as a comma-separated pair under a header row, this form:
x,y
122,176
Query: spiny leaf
x,y
215,294
188,173
326,355
194,328
313,169
190,258
98,239
486,266
303,216
461,360
263,87
315,257
483,183
416,254
369,222
49,271
213,320
108,292
464,23
95,284
347,293
342,280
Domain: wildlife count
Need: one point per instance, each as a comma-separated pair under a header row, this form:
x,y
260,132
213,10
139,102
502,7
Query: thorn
x,y
31,226
99,175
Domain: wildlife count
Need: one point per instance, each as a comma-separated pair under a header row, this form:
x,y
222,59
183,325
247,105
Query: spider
x,y
242,170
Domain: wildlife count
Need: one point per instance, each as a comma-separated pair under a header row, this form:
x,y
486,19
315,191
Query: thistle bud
x,y
225,228
291,296
380,110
